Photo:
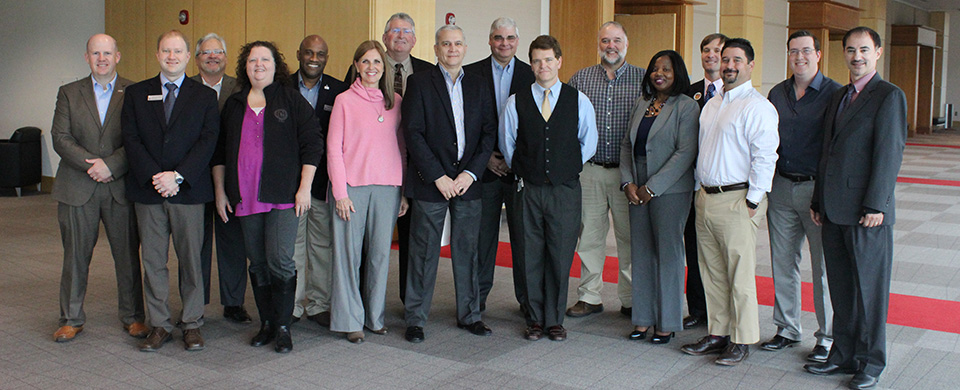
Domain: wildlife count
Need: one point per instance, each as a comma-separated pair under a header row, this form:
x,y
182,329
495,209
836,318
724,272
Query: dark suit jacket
x,y
185,145
330,87
418,66
698,88
78,135
228,87
522,78
430,132
862,152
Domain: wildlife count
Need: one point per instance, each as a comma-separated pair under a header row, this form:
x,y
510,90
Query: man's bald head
x,y
102,56
102,38
312,55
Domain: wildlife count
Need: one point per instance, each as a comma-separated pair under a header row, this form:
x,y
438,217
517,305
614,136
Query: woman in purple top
x,y
365,162
269,148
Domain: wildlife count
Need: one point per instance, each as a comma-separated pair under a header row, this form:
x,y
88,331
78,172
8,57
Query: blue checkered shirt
x,y
612,99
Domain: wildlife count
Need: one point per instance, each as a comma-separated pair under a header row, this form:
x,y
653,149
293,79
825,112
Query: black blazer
x,y
185,145
522,78
330,87
430,132
695,89
291,138
418,66
862,152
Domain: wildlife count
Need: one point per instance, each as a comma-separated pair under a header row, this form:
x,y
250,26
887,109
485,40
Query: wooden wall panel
x,y
224,17
280,21
343,34
124,20
423,13
575,24
925,90
160,17
648,34
683,26
836,62
904,62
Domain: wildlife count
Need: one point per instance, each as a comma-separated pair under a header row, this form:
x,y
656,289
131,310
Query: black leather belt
x,y
721,189
605,164
796,178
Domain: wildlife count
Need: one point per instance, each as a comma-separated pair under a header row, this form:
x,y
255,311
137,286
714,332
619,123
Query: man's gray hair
x,y
402,16
616,24
447,27
207,38
504,21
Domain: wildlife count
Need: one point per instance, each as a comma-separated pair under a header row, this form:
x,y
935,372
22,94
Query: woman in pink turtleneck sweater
x,y
365,162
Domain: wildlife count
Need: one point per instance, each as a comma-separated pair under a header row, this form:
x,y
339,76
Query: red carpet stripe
x,y
906,310
935,182
934,145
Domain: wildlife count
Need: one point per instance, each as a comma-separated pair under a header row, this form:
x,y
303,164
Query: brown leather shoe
x,y
557,333
733,355
66,333
706,345
382,331
136,329
355,337
155,339
321,318
534,332
583,309
192,340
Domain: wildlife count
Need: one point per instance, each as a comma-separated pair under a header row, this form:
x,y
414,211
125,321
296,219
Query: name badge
x,y
327,107
154,98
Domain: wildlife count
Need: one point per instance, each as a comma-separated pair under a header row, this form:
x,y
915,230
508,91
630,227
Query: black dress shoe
x,y
862,381
414,334
733,355
627,311
819,354
478,328
237,314
706,345
661,338
284,341
826,368
777,343
637,335
266,334
693,321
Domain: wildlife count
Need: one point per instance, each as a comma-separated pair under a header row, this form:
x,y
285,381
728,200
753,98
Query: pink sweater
x,y
361,150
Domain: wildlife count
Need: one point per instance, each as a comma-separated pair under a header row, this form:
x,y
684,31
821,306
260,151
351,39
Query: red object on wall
x,y
450,18
184,17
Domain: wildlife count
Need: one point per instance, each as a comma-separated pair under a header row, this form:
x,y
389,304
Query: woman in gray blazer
x,y
656,166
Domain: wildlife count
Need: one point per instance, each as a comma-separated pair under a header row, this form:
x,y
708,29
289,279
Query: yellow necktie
x,y
545,107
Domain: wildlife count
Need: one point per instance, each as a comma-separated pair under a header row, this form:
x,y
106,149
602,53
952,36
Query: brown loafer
x,y
534,332
733,355
355,337
155,339
557,333
321,318
192,340
583,309
66,333
382,331
136,329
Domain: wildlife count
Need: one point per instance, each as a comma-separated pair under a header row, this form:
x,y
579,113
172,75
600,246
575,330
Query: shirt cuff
x,y
755,195
471,175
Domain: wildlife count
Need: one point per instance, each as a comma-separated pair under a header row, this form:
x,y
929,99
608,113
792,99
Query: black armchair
x,y
20,162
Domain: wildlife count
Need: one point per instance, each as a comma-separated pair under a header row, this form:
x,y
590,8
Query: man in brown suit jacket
x,y
90,188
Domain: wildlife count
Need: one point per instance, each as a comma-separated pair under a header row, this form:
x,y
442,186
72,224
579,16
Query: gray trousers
x,y
79,231
657,256
788,221
313,256
426,227
269,239
231,257
495,195
376,211
551,221
158,223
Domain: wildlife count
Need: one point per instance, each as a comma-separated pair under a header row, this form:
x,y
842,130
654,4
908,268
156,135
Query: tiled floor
x,y
596,355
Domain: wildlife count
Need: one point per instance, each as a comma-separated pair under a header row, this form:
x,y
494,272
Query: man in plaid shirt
x,y
612,86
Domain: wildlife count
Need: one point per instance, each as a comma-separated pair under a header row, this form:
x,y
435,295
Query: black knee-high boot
x,y
284,294
263,296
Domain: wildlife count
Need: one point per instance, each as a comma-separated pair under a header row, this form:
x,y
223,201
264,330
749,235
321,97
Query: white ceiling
x,y
934,5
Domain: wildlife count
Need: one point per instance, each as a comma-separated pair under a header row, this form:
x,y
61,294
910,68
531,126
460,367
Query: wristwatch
x,y
752,205
178,177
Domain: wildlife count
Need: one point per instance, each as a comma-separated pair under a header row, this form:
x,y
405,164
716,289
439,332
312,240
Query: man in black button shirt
x,y
800,101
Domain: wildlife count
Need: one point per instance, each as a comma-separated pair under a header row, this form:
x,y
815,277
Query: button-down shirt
x,y
502,79
455,90
163,85
859,85
586,118
311,94
717,86
102,96
216,87
738,141
613,100
406,71
801,123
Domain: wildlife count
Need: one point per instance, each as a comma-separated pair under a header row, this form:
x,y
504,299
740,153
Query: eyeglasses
x,y
806,51
397,30
209,52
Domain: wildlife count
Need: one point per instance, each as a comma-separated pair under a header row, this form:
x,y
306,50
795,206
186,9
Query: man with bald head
x,y
313,254
90,188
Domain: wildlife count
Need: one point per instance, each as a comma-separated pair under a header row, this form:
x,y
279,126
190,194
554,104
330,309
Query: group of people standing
x,y
305,176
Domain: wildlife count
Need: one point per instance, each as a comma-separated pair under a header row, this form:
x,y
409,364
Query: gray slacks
x,y
376,211
788,221
495,195
158,223
551,221
79,231
426,227
313,256
269,239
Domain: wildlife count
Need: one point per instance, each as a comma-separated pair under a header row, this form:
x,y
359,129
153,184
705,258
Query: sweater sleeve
x,y
335,164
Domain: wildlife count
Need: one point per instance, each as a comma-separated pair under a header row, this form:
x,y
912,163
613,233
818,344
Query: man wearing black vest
x,y
547,151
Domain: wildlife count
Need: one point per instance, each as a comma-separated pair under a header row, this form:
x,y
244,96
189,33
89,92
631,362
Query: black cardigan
x,y
291,138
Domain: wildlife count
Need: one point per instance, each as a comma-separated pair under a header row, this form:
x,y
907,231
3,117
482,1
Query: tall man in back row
x,y
864,137
613,87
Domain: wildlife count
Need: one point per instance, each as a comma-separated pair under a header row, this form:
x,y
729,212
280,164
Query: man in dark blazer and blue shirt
x,y
505,75
866,130
449,127
170,126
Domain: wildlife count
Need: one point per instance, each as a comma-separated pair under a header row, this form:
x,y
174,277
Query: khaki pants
x,y
727,247
602,197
